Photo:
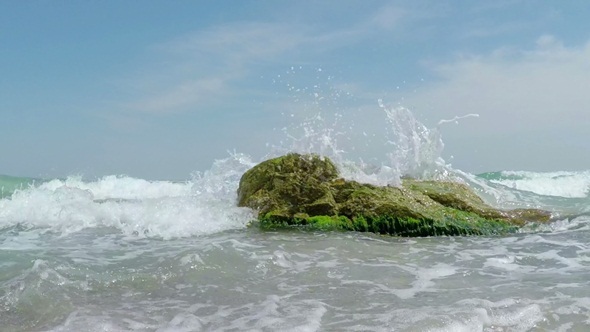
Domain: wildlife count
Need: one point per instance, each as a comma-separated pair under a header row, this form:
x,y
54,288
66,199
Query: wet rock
x,y
306,190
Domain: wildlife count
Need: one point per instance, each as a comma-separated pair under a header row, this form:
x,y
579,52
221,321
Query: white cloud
x,y
239,42
551,79
231,51
492,29
199,69
537,96
389,17
182,96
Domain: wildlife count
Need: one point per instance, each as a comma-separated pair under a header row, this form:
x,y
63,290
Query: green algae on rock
x,y
306,190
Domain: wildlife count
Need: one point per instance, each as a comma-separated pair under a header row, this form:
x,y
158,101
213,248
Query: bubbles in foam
x,y
563,193
563,184
122,187
134,206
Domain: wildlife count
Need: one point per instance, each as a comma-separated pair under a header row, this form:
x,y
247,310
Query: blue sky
x,y
159,89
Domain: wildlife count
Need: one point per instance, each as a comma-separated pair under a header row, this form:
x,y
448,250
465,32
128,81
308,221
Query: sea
x,y
118,253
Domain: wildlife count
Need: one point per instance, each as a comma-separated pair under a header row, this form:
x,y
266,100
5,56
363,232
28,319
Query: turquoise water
x,y
8,184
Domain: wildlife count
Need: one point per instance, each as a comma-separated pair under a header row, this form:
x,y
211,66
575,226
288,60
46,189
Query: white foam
x,y
560,226
82,321
563,184
122,187
183,322
504,315
504,263
135,206
425,279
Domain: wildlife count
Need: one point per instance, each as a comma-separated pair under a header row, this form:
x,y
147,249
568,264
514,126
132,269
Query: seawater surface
x,y
98,279
125,254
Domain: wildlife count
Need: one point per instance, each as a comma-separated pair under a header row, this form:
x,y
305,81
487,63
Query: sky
x,y
161,89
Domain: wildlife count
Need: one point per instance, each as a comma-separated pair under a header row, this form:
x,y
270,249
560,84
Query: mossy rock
x,y
291,184
305,191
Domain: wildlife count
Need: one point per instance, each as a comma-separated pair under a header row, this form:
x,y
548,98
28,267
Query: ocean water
x,y
124,254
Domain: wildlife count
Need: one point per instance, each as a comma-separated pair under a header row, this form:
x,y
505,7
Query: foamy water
x,y
124,254
298,281
564,184
164,209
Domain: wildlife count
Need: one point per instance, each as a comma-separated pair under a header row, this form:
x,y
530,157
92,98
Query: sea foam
x,y
563,184
203,205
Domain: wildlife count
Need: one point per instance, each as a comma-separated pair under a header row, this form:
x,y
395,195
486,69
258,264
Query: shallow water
x,y
101,280
126,254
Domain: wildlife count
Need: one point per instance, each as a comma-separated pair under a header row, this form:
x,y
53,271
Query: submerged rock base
x,y
306,190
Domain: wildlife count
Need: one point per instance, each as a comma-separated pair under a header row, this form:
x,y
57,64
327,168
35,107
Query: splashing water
x,y
334,128
376,144
411,149
416,150
136,207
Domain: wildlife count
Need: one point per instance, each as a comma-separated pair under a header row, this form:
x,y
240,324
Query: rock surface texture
x,y
306,190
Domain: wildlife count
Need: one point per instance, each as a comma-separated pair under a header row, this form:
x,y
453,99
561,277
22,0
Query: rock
x,y
306,190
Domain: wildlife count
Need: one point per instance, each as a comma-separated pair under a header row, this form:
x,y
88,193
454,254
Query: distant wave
x,y
560,184
8,184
